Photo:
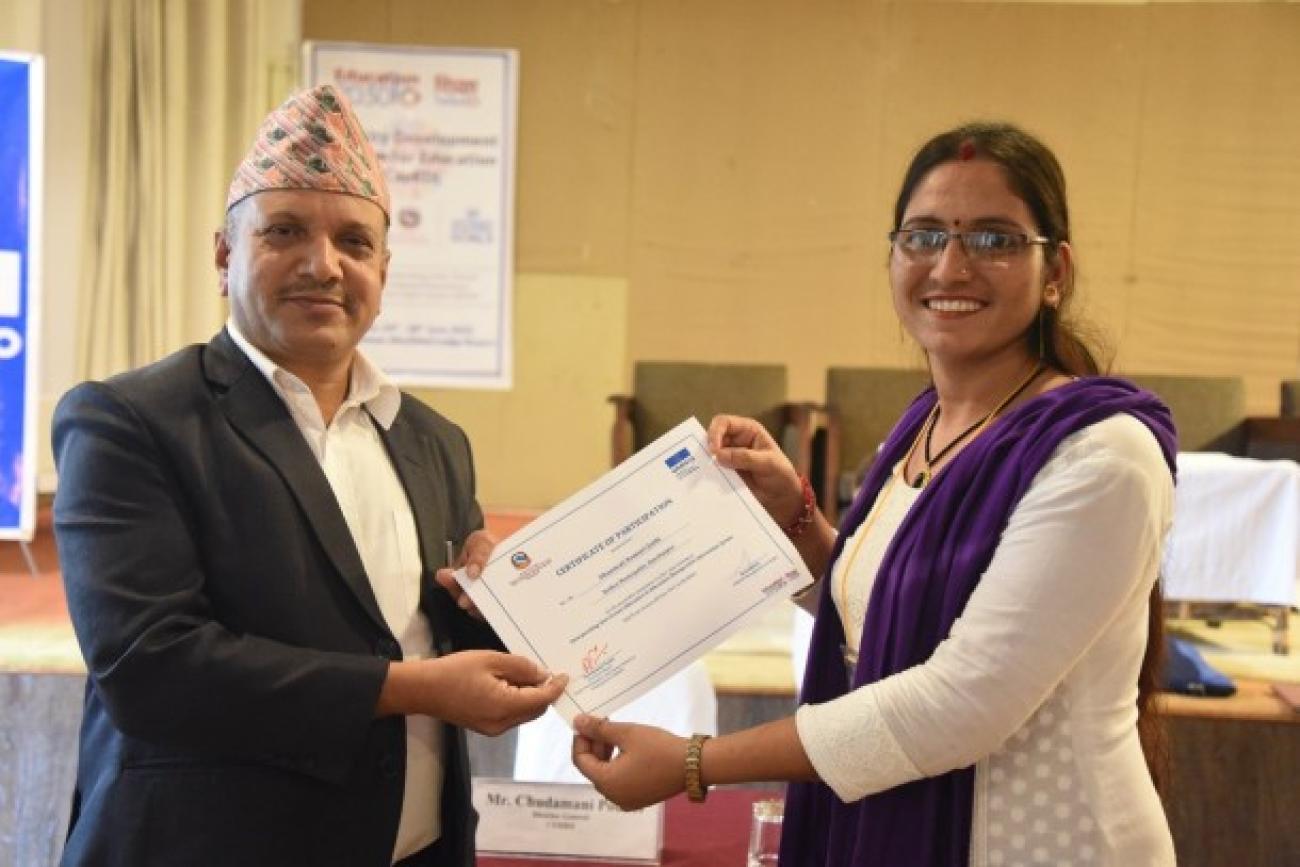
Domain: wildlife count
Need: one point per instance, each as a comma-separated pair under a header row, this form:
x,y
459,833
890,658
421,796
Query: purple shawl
x,y
928,572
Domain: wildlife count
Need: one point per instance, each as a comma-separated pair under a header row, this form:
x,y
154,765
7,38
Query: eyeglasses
x,y
924,246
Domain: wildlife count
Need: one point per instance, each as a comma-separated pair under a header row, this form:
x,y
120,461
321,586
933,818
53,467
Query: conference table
x,y
712,834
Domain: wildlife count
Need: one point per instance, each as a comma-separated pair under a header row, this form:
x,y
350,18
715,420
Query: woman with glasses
x,y
980,673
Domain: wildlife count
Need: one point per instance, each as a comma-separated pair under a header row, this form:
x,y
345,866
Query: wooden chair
x,y
862,405
1290,398
666,392
1208,410
1277,438
1210,413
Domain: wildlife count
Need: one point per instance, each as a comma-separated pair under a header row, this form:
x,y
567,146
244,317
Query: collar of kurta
x,y
369,386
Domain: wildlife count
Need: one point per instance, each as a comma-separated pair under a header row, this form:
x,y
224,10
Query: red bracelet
x,y
799,525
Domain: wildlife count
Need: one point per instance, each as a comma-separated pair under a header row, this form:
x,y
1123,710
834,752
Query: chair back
x,y
862,406
1208,410
666,392
1290,398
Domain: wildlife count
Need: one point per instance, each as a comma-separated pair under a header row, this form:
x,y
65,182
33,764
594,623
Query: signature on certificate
x,y
591,659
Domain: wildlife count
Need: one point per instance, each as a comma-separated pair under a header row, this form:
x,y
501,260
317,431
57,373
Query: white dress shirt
x,y
379,516
1036,685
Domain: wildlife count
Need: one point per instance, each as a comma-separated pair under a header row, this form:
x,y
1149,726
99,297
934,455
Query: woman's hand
x,y
474,556
649,767
744,445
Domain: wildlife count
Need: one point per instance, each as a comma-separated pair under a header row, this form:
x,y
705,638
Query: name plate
x,y
553,820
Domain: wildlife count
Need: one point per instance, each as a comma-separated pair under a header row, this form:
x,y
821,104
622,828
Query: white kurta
x,y
1037,683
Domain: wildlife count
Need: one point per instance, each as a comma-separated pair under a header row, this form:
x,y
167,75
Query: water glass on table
x,y
765,833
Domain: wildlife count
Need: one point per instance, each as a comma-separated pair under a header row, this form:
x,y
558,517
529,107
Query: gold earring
x,y
1052,296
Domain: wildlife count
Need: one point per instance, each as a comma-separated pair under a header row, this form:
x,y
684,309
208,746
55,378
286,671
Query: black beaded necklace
x,y
930,460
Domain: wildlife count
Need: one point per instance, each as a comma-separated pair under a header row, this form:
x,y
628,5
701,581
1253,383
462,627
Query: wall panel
x,y
731,166
1217,264
535,444
755,198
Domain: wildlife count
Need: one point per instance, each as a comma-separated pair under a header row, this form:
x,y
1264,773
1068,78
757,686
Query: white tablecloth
x,y
1236,532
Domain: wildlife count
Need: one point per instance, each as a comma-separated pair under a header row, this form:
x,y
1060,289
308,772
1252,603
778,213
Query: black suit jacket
x,y
234,646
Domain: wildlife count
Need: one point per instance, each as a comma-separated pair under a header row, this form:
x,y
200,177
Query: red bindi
x,y
966,151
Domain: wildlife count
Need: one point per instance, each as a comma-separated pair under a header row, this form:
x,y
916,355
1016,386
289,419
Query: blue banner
x,y
21,112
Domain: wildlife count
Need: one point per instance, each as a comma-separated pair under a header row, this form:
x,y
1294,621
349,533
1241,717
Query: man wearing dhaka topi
x,y
252,534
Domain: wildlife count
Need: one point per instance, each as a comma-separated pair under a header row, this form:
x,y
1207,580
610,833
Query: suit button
x,y
388,765
388,648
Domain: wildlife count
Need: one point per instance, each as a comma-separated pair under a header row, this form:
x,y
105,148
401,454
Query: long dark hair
x,y
1035,176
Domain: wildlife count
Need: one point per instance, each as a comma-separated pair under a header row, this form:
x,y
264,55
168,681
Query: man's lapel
x,y
422,477
256,411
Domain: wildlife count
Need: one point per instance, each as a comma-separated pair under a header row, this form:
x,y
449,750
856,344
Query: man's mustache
x,y
332,291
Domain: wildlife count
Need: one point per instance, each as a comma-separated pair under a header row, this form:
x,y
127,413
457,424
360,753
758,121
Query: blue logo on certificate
x,y
682,463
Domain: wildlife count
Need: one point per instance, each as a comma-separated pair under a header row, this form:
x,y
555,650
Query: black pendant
x,y
920,480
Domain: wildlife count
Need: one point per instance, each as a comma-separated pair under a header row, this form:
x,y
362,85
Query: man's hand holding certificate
x,y
637,575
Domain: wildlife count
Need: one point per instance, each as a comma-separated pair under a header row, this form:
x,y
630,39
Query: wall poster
x,y
22,112
443,123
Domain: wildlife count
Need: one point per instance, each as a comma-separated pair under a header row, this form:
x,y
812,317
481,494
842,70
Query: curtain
x,y
178,88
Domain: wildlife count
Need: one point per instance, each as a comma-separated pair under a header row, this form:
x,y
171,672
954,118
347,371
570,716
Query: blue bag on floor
x,y
1187,672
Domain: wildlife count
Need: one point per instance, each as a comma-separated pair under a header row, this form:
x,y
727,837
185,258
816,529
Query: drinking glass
x,y
765,833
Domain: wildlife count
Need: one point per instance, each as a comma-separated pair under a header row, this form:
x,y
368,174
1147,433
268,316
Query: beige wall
x,y
549,435
712,180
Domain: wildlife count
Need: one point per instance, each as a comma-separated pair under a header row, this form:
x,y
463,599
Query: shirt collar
x,y
368,385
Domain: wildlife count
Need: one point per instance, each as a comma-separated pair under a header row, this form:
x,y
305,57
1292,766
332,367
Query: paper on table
x,y
637,575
